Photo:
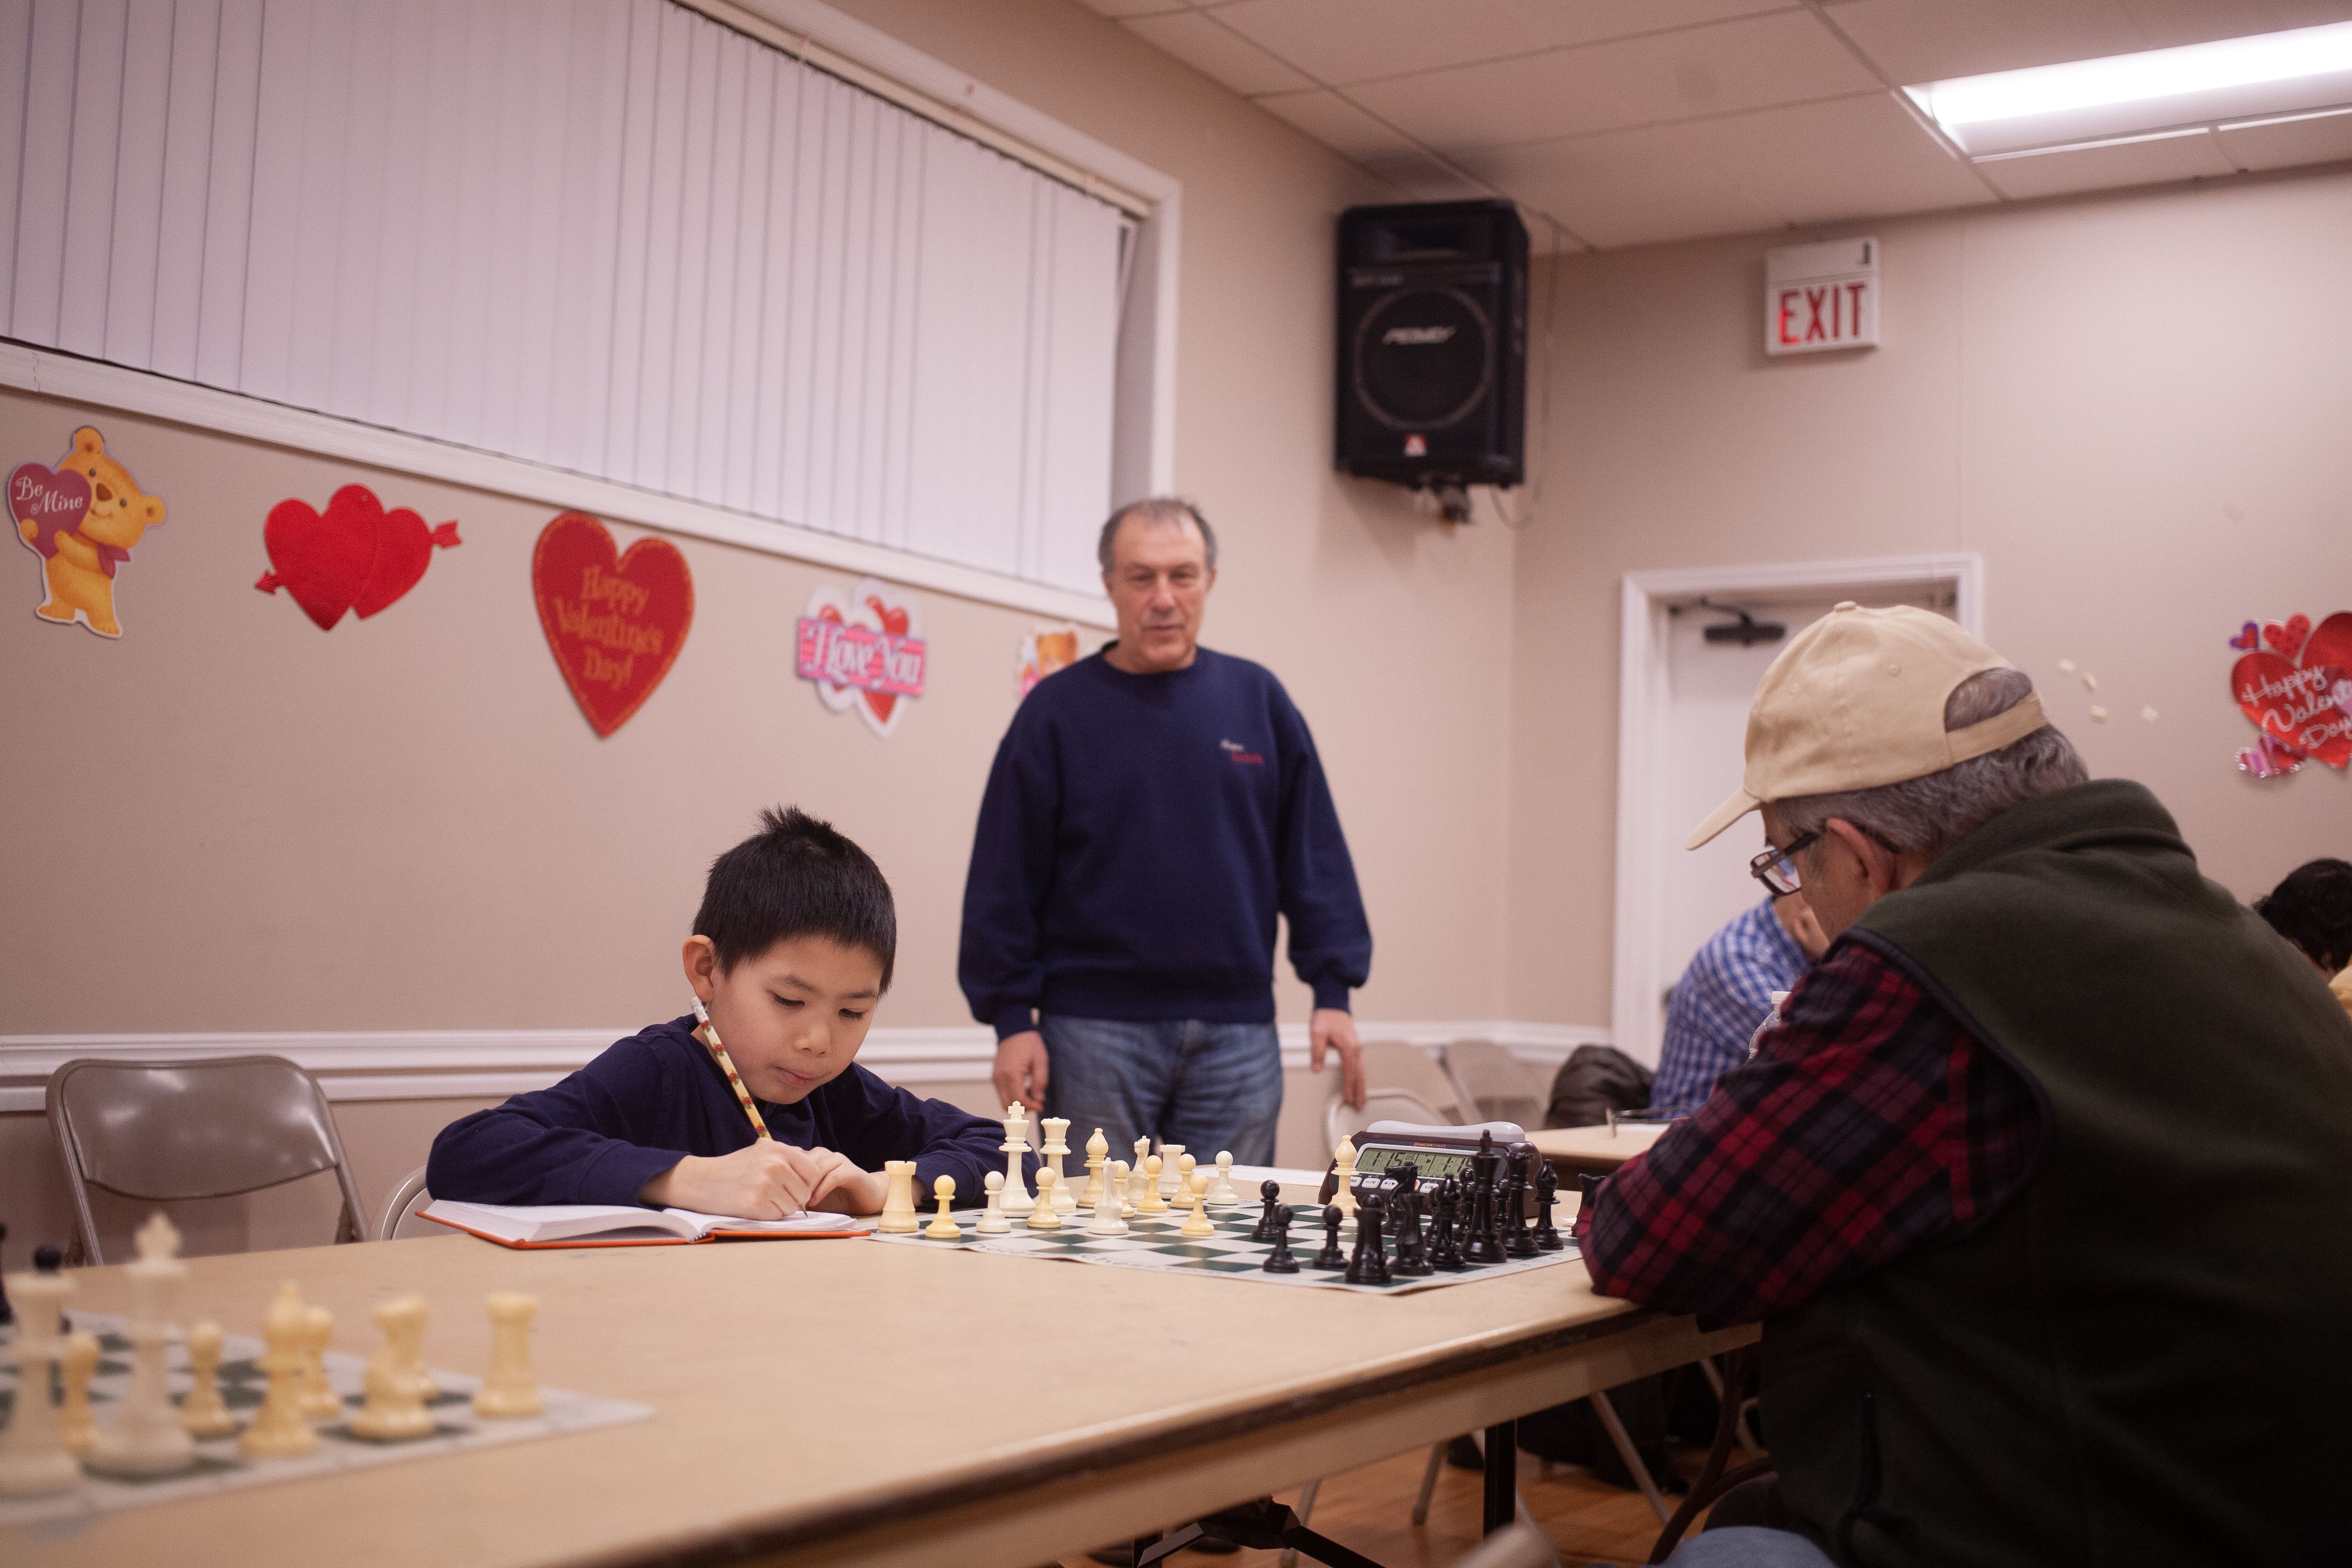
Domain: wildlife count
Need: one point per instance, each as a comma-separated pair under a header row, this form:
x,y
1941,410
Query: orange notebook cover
x,y
612,1225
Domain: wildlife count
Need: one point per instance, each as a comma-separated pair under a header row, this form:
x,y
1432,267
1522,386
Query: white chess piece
x,y
32,1458
1109,1201
1170,1156
1057,1150
1016,1200
509,1389
1152,1201
204,1413
992,1218
320,1400
395,1411
1137,1183
944,1228
279,1429
147,1438
1196,1224
76,1427
1221,1193
1045,1214
899,1217
1343,1159
1185,1165
1097,1156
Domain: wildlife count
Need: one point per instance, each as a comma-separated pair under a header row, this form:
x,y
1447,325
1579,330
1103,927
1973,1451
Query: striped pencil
x,y
708,1034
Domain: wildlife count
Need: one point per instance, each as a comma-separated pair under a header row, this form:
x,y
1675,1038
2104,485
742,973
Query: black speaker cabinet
x,y
1434,343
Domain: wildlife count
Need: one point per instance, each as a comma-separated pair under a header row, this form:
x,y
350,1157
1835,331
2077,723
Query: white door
x,y
1686,755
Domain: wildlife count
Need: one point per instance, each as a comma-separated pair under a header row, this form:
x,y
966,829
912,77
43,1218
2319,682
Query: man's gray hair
x,y
1927,816
1158,509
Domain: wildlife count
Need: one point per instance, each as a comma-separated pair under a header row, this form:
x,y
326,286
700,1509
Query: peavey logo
x,y
1416,335
1235,751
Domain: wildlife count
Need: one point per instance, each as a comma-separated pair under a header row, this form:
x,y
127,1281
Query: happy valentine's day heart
x,y
615,622
2297,701
354,556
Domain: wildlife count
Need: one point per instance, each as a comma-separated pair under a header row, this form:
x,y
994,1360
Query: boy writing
x,y
791,950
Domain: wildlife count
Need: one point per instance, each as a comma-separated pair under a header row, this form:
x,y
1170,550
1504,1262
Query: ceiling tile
x,y
1915,41
1627,187
1218,52
1535,98
1391,37
2170,22
1339,124
2284,144
1750,64
2120,164
1850,157
1133,7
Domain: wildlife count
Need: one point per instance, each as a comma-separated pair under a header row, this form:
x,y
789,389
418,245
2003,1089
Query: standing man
x,y
1150,810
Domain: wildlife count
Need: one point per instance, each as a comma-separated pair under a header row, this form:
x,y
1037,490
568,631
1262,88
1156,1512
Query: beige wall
x,y
2135,408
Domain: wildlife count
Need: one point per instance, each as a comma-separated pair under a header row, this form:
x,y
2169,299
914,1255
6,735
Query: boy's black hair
x,y
797,877
2312,908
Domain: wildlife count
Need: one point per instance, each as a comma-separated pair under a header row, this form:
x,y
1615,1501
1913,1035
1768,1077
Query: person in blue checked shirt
x,y
1725,993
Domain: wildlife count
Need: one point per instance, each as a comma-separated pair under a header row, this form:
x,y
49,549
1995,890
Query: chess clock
x,y
1433,1153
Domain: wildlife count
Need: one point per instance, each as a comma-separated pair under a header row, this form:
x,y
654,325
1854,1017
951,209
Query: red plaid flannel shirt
x,y
1868,1124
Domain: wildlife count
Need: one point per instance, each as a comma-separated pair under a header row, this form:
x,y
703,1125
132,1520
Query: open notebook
x,y
616,1224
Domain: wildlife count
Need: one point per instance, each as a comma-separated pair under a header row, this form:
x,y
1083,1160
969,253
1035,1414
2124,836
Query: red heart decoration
x,y
354,555
615,622
894,621
2288,640
2331,642
2248,639
46,502
2297,705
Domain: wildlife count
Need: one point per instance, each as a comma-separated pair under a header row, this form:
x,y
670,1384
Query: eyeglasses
x,y
1777,869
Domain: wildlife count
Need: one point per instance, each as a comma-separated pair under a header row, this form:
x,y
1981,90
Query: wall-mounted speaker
x,y
1434,343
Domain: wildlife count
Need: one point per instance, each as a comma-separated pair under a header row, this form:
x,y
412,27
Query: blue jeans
x,y
1210,1087
1748,1546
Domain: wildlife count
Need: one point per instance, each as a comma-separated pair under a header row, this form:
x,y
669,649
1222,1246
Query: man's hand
x,y
767,1181
1334,1027
1020,1072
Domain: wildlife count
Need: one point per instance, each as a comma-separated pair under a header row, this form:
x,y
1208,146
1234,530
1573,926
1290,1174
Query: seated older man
x,y
2040,1187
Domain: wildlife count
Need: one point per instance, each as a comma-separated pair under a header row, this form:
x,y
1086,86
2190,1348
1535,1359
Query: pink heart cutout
x,y
46,502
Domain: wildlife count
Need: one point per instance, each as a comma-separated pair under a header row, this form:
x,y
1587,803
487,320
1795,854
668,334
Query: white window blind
x,y
606,236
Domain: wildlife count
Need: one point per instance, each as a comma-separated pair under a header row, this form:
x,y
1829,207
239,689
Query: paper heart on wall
x,y
2249,638
2287,639
354,556
616,622
881,651
45,502
2297,703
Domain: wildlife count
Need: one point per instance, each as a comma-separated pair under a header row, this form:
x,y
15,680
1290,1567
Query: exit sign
x,y
1819,297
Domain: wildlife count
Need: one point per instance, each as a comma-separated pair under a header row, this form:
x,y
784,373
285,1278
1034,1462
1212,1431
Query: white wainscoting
x,y
464,1064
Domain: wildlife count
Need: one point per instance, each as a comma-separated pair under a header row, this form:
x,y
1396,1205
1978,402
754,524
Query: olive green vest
x,y
2145,1357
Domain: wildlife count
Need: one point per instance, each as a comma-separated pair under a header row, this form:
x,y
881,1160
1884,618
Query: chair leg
x,y
1306,1508
1714,1381
1428,1483
1632,1455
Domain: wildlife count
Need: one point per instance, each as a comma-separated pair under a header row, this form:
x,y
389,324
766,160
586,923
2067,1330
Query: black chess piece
x,y
7,1312
1279,1260
47,1259
1370,1263
1547,1193
1517,1240
1481,1245
1332,1255
1270,1191
1444,1230
1411,1259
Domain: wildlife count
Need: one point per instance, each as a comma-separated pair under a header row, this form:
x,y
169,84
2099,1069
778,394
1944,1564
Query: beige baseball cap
x,y
1856,701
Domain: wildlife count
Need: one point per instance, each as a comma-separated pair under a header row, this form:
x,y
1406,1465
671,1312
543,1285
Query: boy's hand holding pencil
x,y
770,1180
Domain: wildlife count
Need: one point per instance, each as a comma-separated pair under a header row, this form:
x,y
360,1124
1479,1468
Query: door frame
x,y
1637,1025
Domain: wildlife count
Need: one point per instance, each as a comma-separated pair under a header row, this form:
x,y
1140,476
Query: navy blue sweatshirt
x,y
1138,834
649,1102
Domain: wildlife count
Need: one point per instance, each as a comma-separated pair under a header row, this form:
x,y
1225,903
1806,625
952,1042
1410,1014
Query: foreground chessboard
x,y
220,1467
1151,1242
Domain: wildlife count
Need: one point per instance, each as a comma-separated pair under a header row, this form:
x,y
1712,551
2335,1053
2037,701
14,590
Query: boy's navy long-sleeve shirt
x,y
1139,835
649,1102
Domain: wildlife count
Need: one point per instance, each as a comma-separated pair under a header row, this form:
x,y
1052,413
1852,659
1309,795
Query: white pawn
x,y
1017,1200
1152,1201
992,1218
1184,1166
1109,1201
1197,1224
1221,1193
944,1228
32,1458
396,1410
509,1389
1044,1215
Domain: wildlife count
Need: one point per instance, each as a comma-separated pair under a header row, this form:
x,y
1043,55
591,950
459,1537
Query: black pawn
x,y
47,1259
7,1312
1369,1264
1332,1255
1412,1259
1547,1193
1444,1231
1266,1228
1279,1260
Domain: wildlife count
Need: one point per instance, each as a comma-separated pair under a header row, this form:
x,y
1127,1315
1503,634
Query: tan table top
x,y
850,1401
1600,1148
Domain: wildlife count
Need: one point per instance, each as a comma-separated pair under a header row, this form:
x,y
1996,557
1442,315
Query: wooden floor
x,y
1370,1511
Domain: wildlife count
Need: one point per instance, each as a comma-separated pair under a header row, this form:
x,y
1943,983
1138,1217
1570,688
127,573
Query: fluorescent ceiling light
x,y
2235,78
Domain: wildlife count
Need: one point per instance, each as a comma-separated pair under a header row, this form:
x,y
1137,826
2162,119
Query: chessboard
x,y
1151,1242
220,1467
